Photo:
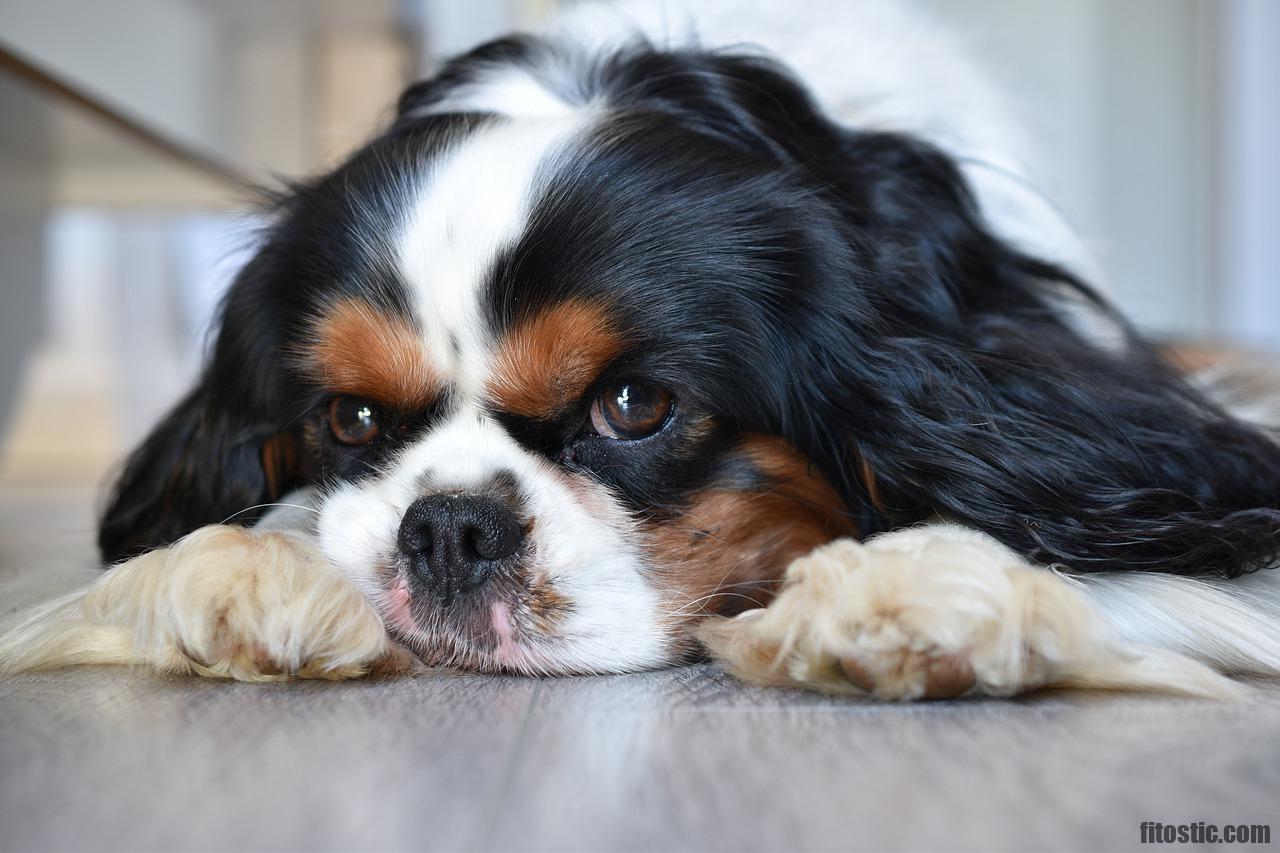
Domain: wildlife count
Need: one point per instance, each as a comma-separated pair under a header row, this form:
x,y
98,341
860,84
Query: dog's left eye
x,y
353,421
630,411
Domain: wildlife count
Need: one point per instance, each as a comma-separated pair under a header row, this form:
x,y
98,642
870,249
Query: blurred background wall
x,y
131,128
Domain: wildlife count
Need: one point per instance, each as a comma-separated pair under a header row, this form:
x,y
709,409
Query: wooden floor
x,y
685,759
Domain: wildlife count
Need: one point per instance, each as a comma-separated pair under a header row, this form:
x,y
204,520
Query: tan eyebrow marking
x,y
362,351
548,360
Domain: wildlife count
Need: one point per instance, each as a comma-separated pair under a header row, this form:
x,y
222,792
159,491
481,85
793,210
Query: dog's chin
x,y
509,626
453,647
473,631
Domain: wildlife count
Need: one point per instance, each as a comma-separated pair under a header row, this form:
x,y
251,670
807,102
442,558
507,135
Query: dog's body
x,y
603,335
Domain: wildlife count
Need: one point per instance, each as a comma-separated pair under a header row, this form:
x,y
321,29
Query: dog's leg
x,y
940,611
224,601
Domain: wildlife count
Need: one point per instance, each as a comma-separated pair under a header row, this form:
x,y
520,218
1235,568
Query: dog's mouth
x,y
510,625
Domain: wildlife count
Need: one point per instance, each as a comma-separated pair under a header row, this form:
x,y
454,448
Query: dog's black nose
x,y
455,542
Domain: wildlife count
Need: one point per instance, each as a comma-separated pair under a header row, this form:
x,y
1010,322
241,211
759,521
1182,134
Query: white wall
x,y
1249,257
162,61
1114,93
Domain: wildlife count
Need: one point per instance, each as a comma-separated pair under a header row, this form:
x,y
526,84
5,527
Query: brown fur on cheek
x,y
547,361
358,350
547,607
280,462
728,550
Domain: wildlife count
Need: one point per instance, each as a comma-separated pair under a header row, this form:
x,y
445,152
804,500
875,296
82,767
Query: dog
x,y
619,347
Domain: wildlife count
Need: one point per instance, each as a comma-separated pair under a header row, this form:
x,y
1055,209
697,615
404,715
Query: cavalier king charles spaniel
x,y
622,346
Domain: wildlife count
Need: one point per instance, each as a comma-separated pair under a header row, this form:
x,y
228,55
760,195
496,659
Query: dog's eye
x,y
353,421
631,411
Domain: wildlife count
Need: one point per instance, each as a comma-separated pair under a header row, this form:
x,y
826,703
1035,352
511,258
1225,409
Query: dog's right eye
x,y
630,411
353,421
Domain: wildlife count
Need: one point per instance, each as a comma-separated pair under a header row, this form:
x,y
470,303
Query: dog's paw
x,y
230,602
930,612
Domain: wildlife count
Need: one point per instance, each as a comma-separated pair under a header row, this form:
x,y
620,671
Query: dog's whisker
x,y
241,512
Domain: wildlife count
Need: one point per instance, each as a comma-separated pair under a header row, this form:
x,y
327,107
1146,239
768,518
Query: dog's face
x,y
549,426
583,348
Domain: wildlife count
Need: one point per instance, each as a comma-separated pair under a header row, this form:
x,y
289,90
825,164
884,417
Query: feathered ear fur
x,y
950,370
221,450
201,465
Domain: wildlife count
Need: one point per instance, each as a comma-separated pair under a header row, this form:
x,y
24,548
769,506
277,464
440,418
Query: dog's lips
x,y
489,639
395,608
507,652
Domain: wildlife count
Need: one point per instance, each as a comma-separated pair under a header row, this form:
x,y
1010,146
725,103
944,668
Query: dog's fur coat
x,y
1041,499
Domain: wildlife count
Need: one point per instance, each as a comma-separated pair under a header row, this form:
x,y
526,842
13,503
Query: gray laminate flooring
x,y
687,759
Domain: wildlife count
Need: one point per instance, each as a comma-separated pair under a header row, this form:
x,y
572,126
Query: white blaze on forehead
x,y
475,204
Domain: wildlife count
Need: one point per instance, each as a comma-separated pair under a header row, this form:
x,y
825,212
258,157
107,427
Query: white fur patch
x,y
504,90
474,204
1233,625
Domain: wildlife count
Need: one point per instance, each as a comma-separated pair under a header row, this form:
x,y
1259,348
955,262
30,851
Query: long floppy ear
x,y
222,449
199,466
964,386
932,368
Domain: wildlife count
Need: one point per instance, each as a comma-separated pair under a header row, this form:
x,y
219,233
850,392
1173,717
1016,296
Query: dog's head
x,y
585,346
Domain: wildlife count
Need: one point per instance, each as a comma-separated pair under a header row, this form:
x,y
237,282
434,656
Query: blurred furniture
x,y
73,303
134,135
